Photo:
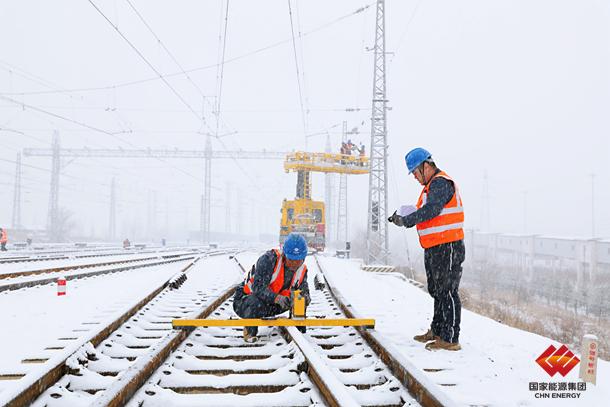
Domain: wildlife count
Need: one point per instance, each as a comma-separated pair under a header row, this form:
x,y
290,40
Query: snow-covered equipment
x,y
588,363
61,286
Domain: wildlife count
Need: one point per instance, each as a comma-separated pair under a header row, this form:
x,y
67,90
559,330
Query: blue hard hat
x,y
295,247
416,157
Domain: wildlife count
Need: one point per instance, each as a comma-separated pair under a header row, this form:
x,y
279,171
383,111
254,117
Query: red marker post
x,y
61,286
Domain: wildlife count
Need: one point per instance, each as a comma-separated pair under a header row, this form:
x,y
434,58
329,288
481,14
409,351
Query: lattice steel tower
x,y
377,225
53,214
329,197
342,207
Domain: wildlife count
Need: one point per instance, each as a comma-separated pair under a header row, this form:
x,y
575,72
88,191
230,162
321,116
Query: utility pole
x,y
207,187
377,244
201,216
238,218
228,209
53,213
328,197
342,209
112,217
16,224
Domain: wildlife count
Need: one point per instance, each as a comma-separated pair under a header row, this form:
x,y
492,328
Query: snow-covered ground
x,y
496,363
494,368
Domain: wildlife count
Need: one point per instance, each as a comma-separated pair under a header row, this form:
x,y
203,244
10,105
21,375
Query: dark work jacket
x,y
440,192
263,271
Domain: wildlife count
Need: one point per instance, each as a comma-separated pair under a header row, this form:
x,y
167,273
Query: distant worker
x,y
3,239
126,244
350,147
266,289
439,219
362,152
28,241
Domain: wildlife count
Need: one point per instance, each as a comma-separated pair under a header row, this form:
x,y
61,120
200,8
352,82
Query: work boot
x,y
441,344
427,337
249,337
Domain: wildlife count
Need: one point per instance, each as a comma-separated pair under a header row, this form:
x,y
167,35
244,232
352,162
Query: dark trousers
x,y
250,306
3,246
443,271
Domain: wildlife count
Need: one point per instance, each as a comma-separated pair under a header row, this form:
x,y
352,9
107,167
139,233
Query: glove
x,y
282,301
396,219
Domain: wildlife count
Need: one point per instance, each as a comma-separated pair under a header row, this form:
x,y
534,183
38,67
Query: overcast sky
x,y
516,90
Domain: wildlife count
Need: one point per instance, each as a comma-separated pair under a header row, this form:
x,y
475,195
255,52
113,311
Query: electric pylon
x,y
377,225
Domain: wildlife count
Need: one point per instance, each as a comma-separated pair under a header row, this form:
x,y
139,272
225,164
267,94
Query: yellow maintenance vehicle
x,y
303,215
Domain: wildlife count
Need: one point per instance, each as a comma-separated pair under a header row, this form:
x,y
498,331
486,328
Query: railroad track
x,y
144,362
131,264
138,321
64,256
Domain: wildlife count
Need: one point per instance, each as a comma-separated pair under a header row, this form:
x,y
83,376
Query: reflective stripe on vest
x,y
277,279
448,225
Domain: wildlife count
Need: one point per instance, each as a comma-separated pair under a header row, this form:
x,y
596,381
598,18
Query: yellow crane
x,y
303,215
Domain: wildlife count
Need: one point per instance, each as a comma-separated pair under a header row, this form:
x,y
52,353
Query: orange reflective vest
x,y
448,225
277,279
3,237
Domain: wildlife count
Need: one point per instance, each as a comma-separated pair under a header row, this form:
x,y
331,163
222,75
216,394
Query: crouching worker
x,y
266,290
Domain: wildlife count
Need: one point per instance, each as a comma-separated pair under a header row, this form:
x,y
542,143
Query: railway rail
x,y
142,361
130,264
83,254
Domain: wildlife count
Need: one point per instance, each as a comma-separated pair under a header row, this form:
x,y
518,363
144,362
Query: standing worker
x,y
266,289
3,239
439,219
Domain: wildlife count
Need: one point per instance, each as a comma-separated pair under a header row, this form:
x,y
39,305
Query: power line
x,y
296,64
200,68
164,47
406,30
300,36
44,82
57,116
137,51
220,71
91,128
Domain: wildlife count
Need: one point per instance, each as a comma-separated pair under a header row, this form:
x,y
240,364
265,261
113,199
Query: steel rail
x,y
121,391
68,268
415,382
51,280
